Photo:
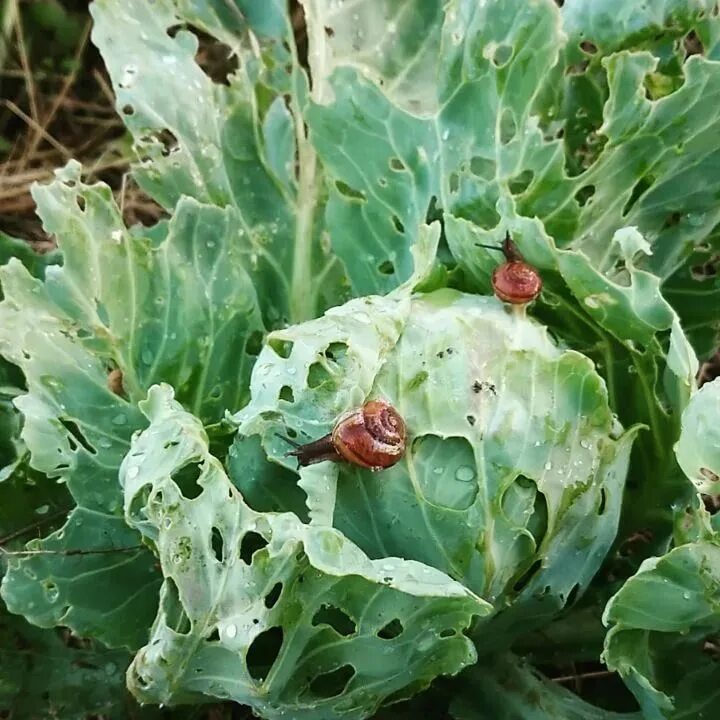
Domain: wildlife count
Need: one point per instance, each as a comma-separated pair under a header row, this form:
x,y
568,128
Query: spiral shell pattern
x,y
372,436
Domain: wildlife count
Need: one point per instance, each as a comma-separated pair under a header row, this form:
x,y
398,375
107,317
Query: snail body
x,y
372,436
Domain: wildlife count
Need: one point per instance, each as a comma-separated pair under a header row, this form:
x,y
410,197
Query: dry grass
x,y
51,114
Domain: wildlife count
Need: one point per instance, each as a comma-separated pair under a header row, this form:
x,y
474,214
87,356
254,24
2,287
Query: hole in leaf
x,y
251,543
287,394
397,224
76,437
329,31
173,609
282,348
332,683
214,636
641,186
348,192
692,44
337,352
216,59
290,432
336,618
502,55
520,183
216,541
128,109
603,501
448,632
80,200
263,652
186,478
588,48
391,630
508,126
254,343
382,182
482,167
584,194
471,420
317,375
572,595
273,596
386,268
397,164
168,141
527,576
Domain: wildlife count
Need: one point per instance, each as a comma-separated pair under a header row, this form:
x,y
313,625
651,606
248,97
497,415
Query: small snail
x,y
514,281
372,436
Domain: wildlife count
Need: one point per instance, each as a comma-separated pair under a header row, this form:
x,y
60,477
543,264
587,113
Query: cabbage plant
x,y
334,194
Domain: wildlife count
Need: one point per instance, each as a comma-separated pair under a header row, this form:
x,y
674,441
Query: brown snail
x,y
373,436
514,281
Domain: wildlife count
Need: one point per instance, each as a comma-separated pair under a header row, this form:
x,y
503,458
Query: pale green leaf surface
x,y
512,479
698,449
222,144
664,625
215,601
180,309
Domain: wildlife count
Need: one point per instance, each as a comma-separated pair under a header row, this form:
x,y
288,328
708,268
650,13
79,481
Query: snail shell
x,y
515,281
372,436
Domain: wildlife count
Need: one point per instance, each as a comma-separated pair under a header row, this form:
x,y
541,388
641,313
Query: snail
x,y
514,281
372,436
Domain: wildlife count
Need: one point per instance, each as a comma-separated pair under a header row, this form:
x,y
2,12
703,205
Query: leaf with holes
x,y
230,142
698,449
513,473
664,636
264,610
123,312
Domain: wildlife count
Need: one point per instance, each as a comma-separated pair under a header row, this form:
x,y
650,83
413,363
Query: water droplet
x,y
42,510
105,443
446,134
465,474
147,357
696,219
116,235
110,668
291,371
686,595
120,419
30,573
548,465
438,470
133,472
231,631
167,523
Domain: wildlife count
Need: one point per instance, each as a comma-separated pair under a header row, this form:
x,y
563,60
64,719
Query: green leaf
x,y
226,145
177,307
49,673
509,689
698,449
264,610
513,474
664,629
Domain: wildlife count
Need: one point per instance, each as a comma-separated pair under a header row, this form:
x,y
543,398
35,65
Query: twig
x,y
583,676
38,129
25,64
36,525
57,102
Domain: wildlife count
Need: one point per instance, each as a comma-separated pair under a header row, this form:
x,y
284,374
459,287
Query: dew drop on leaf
x,y
465,474
231,631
